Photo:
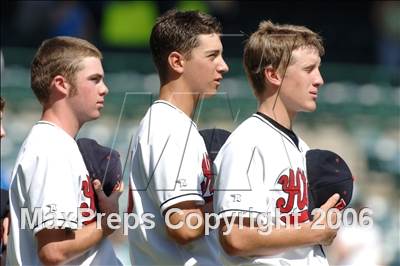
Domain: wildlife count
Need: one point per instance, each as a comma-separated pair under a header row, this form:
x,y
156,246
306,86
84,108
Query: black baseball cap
x,y
4,203
102,163
214,138
327,174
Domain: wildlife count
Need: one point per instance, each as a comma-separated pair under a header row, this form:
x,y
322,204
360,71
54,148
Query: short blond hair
x,y
272,45
59,56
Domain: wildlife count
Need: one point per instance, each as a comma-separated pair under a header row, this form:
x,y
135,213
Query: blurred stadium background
x,y
358,115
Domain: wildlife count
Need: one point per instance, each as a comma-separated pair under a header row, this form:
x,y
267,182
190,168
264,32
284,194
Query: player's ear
x,y
176,62
60,85
272,76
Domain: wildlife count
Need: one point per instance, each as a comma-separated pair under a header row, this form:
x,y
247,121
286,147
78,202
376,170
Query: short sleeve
x,y
52,195
239,186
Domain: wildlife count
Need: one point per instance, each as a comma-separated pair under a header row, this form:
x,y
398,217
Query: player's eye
x,y
213,55
309,69
96,79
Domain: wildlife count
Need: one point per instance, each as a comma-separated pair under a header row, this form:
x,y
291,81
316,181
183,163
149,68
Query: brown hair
x,y
59,56
2,104
272,45
178,31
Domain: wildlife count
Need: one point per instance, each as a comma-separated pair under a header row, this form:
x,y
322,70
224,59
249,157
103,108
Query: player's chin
x,y
209,93
214,89
311,107
96,114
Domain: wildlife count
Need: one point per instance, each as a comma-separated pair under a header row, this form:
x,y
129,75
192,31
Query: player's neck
x,y
278,112
179,96
61,118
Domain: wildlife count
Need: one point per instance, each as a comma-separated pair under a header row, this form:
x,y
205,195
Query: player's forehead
x,y
306,55
208,42
90,65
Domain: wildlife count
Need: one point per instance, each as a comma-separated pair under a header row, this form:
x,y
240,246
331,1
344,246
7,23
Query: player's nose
x,y
222,66
2,132
104,89
318,81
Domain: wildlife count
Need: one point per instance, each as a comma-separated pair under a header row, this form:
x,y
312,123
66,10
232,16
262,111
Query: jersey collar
x,y
287,132
176,108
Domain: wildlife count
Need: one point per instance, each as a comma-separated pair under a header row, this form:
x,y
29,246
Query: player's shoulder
x,y
253,133
250,131
245,135
163,120
46,138
266,126
169,116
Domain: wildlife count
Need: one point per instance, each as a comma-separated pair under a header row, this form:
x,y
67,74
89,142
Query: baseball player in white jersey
x,y
261,169
50,181
171,173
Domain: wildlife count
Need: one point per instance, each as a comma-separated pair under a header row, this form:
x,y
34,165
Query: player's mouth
x,y
100,103
314,94
218,81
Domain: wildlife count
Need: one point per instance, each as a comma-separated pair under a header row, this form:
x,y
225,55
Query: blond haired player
x,y
50,180
262,167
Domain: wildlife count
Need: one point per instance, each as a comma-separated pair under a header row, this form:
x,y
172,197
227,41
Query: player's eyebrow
x,y
312,65
214,51
97,76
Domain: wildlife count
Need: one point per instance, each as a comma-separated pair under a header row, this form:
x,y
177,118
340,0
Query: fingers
x,y
331,202
115,194
117,191
6,229
98,189
119,186
328,218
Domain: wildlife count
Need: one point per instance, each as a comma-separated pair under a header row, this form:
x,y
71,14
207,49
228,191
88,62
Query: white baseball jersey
x,y
259,169
169,165
49,182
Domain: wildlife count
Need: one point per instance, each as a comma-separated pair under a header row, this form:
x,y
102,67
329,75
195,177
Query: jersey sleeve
x,y
239,186
52,199
174,172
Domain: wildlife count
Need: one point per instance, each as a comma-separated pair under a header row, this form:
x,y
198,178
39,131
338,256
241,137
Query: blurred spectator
x,y
26,23
30,21
387,17
192,5
127,23
71,18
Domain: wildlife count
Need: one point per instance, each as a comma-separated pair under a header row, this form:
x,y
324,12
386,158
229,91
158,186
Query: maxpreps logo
x,y
294,185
